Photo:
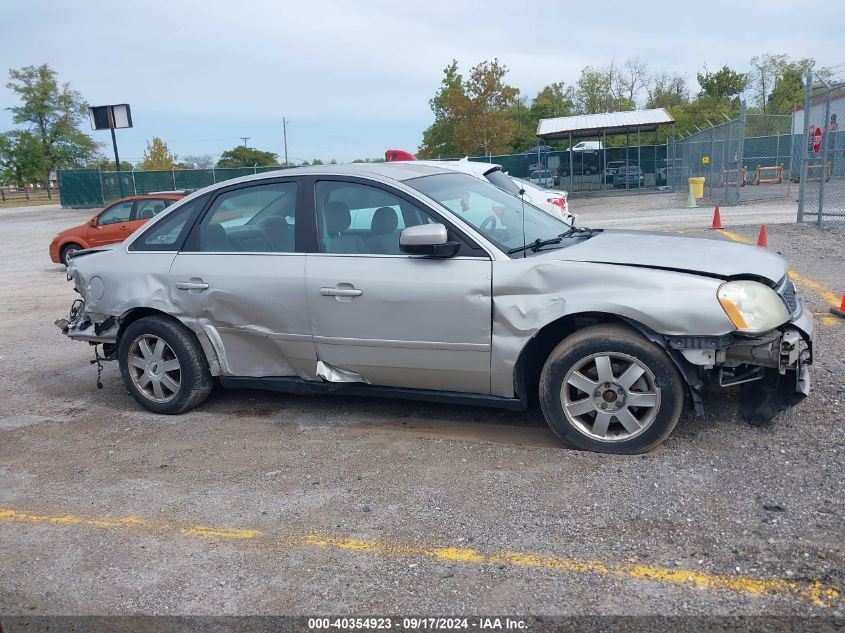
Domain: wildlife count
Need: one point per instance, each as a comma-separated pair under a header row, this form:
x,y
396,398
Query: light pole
x,y
285,135
109,118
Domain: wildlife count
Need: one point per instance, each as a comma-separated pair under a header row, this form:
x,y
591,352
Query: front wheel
x,y
609,390
163,366
67,251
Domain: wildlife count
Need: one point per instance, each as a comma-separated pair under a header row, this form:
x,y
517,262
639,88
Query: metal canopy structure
x,y
584,125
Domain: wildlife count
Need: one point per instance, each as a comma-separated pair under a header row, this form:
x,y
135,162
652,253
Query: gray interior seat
x,y
338,218
151,211
384,234
213,239
279,232
250,240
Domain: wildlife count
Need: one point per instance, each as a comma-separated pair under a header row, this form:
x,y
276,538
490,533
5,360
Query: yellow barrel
x,y
697,187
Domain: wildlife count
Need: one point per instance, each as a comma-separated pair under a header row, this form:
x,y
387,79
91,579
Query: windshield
x,y
497,215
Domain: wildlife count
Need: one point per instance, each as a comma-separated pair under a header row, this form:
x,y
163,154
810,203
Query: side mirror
x,y
93,221
427,239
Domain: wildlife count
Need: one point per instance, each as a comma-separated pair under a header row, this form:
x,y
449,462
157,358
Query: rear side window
x,y
253,219
168,234
146,209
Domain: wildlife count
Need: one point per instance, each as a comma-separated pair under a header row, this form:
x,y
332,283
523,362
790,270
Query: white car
x,y
542,177
587,146
551,201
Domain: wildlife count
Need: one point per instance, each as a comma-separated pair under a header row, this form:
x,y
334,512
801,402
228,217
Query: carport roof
x,y
609,122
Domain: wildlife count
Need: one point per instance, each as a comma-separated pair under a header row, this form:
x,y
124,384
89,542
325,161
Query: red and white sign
x,y
817,138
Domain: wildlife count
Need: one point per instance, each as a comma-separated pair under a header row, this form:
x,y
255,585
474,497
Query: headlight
x,y
751,306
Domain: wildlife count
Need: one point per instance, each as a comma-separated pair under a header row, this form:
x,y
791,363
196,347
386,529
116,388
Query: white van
x,y
587,146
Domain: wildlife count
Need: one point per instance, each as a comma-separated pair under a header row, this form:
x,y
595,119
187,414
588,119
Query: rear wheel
x,y
163,366
67,250
608,389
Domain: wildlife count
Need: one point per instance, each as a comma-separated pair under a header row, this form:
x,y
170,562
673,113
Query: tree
x,y
242,156
489,128
667,91
472,115
769,71
53,113
554,100
22,159
631,80
788,91
158,156
594,92
201,161
105,164
448,101
724,84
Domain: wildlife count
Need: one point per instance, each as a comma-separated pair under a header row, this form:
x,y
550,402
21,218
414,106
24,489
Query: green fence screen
x,y
93,188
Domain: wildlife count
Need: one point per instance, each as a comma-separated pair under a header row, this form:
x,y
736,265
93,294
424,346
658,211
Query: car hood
x,y
715,258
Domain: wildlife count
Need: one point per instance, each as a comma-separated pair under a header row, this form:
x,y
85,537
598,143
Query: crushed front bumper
x,y
777,370
80,326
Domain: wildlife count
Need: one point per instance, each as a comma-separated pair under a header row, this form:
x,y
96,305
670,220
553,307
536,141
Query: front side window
x,y
505,220
121,212
363,220
256,219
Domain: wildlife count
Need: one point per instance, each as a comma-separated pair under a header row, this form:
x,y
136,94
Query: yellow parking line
x,y
816,592
826,293
126,522
736,237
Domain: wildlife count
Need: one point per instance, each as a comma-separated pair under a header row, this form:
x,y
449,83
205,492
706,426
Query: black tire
x,y
612,339
194,377
588,172
67,249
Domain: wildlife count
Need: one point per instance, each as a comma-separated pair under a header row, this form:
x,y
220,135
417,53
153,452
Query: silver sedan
x,y
411,281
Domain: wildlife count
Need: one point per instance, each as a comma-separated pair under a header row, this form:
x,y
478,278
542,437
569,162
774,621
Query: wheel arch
x,y
135,314
534,353
72,240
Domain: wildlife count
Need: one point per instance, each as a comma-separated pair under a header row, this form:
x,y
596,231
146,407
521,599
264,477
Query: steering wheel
x,y
489,222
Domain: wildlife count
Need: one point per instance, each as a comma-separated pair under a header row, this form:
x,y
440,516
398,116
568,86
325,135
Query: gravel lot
x,y
358,501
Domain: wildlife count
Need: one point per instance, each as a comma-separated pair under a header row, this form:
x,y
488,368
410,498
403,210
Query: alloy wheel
x,y
610,397
154,368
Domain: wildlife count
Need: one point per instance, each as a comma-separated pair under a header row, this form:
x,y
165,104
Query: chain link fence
x,y
822,153
753,157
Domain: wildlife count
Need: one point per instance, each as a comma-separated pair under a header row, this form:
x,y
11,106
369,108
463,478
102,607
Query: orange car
x,y
112,224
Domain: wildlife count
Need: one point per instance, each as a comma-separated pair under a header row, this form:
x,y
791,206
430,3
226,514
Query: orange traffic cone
x,y
763,238
840,311
717,219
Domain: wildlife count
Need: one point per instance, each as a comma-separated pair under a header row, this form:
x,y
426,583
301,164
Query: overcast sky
x,y
354,78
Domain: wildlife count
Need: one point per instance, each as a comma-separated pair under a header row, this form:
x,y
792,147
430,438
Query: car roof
x,y
473,167
399,170
165,195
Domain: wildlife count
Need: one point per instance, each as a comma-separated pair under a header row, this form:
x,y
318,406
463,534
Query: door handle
x,y
191,285
341,292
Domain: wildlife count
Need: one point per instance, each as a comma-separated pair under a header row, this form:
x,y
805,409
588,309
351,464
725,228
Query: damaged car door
x,y
241,280
388,318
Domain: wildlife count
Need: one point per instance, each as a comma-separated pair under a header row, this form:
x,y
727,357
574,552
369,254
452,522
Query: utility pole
x,y
285,134
244,139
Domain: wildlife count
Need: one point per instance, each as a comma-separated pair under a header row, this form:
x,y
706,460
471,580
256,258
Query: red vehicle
x,y
112,224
